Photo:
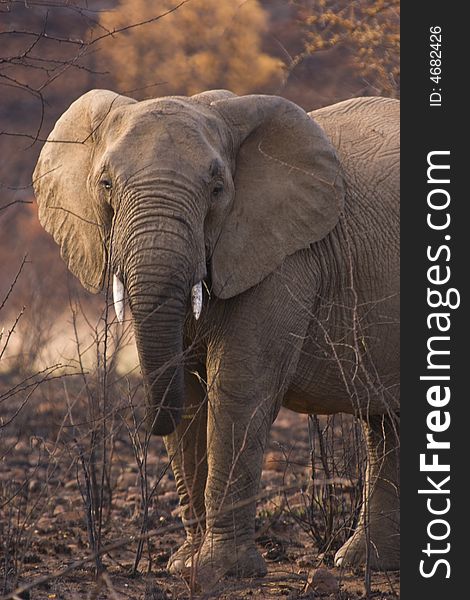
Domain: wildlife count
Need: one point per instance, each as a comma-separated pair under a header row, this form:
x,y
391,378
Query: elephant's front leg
x,y
187,451
239,418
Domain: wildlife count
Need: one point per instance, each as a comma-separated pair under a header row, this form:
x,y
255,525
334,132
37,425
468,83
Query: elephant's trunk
x,y
159,333
160,271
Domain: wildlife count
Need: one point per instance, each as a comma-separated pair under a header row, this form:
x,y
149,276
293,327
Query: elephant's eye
x,y
217,190
106,183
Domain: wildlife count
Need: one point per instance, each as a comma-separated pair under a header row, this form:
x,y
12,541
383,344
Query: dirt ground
x,y
44,507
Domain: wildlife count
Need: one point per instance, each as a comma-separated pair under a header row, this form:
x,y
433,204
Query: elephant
x,y
257,245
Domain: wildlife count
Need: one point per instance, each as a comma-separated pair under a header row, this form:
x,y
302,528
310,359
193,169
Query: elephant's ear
x,y
288,190
66,208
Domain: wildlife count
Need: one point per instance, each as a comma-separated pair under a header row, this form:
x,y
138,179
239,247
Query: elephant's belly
x,y
335,373
321,388
317,401
317,386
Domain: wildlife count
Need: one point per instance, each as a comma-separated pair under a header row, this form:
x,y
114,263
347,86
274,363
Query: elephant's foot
x,y
216,560
384,551
177,561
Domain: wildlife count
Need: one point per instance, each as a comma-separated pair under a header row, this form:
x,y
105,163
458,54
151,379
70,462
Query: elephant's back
x,y
366,135
370,118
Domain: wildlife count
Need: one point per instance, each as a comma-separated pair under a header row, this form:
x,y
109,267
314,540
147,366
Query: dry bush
x,y
334,499
205,44
66,432
20,508
368,29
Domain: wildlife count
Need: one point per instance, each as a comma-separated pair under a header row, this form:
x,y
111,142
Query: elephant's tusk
x,y
196,300
118,296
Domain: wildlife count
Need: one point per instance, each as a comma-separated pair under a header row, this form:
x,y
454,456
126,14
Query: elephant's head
x,y
158,189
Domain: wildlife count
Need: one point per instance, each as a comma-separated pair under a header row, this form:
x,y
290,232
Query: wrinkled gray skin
x,y
292,220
